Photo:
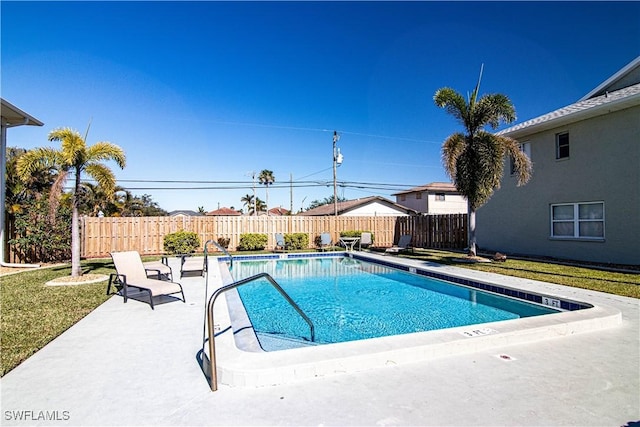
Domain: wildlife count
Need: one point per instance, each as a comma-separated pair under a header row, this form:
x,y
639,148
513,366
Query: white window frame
x,y
558,135
440,197
576,221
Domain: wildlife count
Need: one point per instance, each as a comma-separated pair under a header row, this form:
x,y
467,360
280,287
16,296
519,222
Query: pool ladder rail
x,y
210,320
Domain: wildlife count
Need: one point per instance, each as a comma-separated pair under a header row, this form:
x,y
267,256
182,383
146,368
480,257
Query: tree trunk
x,y
472,232
76,271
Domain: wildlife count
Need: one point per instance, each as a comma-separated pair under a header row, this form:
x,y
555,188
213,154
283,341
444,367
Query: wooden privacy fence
x,y
100,236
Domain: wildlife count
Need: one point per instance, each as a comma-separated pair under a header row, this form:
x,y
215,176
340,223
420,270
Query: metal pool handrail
x,y
210,322
219,246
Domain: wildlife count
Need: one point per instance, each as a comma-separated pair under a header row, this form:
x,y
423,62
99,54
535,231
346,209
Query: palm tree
x,y
73,157
93,199
266,178
247,200
260,205
475,159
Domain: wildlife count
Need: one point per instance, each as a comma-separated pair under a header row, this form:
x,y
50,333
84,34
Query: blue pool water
x,y
348,300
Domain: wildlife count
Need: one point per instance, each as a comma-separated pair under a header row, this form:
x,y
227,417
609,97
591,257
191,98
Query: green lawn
x,y
625,284
34,314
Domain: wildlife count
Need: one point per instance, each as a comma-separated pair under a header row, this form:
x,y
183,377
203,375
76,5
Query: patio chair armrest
x,y
155,270
117,280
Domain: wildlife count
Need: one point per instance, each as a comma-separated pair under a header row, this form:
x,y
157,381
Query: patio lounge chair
x,y
159,269
325,241
190,264
281,244
365,240
404,245
132,274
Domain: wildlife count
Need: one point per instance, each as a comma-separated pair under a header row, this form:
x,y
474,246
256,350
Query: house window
x,y
562,145
578,220
403,197
418,196
525,147
439,197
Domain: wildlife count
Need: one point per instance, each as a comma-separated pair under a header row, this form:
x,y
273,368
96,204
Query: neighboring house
x,y
368,206
224,212
184,213
278,211
434,199
583,200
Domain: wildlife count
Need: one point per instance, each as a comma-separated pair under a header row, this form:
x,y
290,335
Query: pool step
x,y
274,341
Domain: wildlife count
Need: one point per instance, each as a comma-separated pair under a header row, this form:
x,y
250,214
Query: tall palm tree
x,y
266,178
475,159
74,157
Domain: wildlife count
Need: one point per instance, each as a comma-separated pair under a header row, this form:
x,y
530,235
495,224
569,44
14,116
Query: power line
x,y
310,129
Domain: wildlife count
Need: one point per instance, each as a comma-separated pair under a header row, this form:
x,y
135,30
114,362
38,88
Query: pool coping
x,y
239,368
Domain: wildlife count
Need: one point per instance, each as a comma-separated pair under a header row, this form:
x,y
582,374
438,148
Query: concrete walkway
x,y
125,364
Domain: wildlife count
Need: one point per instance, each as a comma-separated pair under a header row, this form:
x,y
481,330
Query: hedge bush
x,y
181,242
296,241
252,242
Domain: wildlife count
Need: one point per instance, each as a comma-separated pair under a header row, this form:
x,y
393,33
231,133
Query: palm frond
x,y
522,165
73,146
453,103
103,176
106,151
36,160
492,109
452,148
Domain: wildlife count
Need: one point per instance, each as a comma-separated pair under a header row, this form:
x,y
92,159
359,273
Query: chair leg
x,y
151,300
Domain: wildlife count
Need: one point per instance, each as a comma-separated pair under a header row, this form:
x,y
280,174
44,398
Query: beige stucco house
x,y
437,198
583,201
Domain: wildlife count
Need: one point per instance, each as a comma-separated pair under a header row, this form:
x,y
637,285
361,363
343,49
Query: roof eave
x,y
13,116
618,75
568,118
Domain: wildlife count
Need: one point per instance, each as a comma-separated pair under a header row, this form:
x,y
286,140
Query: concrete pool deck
x,y
125,364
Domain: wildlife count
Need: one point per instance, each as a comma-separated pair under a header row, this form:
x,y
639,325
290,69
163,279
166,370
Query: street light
x,y
337,161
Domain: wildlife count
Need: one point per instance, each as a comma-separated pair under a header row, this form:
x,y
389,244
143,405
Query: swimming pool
x,y
243,363
349,299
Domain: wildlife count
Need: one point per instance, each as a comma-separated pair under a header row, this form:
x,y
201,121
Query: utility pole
x,y
255,201
336,137
291,194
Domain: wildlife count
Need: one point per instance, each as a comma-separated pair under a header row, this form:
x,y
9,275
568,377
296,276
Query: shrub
x,y
181,242
297,240
252,242
39,238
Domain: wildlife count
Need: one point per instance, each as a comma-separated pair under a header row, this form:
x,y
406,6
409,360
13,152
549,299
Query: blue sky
x,y
207,92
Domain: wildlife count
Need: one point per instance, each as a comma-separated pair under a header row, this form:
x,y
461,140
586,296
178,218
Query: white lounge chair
x,y
159,269
132,274
191,264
